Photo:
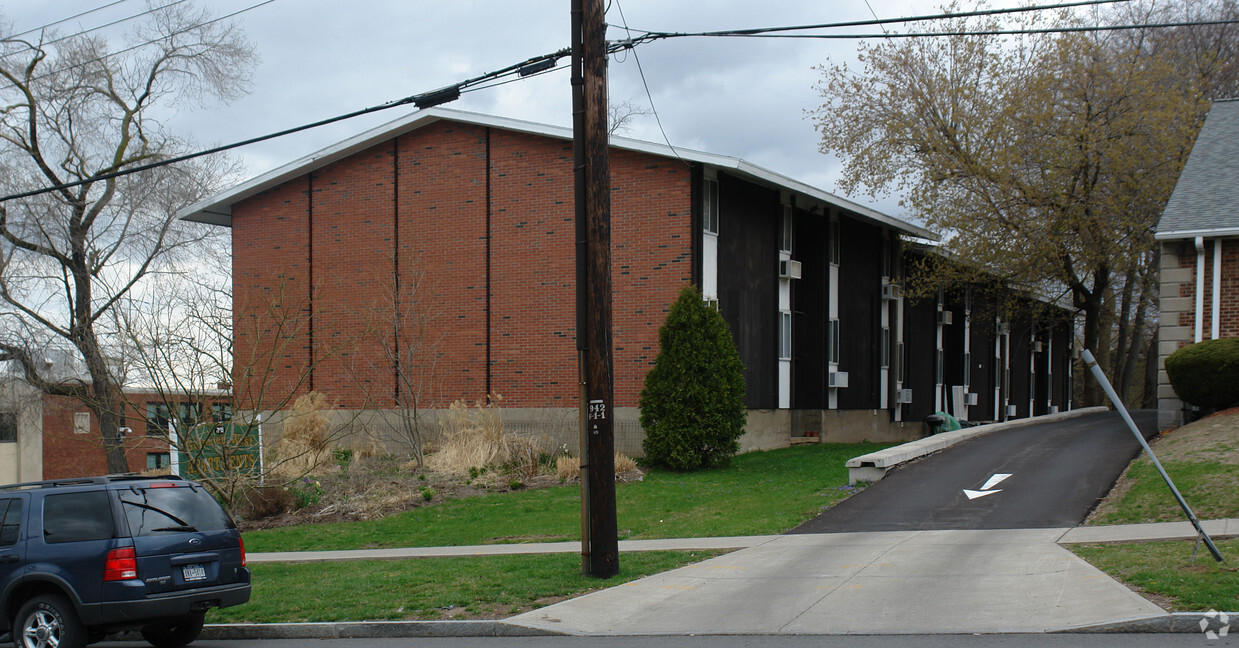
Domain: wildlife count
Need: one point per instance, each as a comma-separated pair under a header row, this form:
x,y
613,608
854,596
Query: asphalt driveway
x,y
1037,476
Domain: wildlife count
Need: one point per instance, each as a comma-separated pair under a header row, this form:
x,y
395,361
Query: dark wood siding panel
x,y
953,347
809,311
748,283
920,349
981,343
1062,363
1020,367
860,286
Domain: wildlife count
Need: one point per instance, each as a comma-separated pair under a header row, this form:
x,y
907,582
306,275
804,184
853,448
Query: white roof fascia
x,y
217,210
1191,234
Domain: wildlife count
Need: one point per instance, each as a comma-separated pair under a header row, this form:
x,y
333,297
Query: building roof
x,y
1205,201
217,209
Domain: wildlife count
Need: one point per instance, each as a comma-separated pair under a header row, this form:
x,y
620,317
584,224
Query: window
x,y
836,249
74,517
786,245
157,418
81,422
158,460
8,427
221,412
188,415
884,353
785,336
832,341
968,369
11,514
709,204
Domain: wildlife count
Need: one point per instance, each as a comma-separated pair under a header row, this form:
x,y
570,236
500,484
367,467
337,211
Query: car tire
x,y
174,634
48,620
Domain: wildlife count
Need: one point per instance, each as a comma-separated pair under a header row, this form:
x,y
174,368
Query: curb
x,y
1171,623
875,465
358,630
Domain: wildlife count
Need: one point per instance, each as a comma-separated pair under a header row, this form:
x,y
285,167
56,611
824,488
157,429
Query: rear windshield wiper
x,y
183,525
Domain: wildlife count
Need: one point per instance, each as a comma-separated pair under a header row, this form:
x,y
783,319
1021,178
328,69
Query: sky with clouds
x,y
741,97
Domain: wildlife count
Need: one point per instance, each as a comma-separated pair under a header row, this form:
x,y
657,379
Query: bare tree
x,y
406,335
620,116
73,114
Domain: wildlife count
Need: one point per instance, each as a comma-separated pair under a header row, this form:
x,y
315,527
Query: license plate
x,y
194,572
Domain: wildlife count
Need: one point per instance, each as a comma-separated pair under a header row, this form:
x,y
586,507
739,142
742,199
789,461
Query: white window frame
x,y
710,206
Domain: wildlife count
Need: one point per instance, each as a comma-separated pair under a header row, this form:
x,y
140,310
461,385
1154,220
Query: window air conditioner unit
x,y
1003,328
1053,409
1011,411
891,292
1038,347
789,269
837,379
946,317
970,399
712,303
903,396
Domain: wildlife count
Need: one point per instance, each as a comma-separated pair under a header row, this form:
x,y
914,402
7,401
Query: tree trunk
x,y
1137,341
1092,302
1151,358
104,402
1127,337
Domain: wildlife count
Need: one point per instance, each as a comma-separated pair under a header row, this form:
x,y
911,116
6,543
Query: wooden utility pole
x,y
599,536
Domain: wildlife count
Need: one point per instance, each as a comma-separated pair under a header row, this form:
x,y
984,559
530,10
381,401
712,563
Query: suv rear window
x,y
72,517
172,510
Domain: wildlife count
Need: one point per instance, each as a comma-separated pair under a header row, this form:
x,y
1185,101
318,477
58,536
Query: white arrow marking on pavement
x,y
995,480
990,483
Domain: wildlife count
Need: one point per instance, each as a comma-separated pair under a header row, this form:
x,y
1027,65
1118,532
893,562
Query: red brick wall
x,y
428,234
271,296
1229,293
442,239
352,261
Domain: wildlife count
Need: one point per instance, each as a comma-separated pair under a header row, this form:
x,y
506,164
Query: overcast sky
x,y
742,97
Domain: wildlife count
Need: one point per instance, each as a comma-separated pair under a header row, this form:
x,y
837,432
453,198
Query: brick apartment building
x,y
452,233
56,437
1199,235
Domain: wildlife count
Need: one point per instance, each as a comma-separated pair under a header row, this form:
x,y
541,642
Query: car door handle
x,y
8,559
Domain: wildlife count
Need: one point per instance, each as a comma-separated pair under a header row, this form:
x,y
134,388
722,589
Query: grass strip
x,y
1210,488
486,587
760,493
1166,571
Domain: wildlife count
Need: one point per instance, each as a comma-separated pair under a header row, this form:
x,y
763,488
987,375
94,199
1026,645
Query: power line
x,y
882,21
64,20
983,32
141,45
530,67
94,29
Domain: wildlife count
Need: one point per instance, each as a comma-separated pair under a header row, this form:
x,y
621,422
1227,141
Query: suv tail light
x,y
121,564
242,541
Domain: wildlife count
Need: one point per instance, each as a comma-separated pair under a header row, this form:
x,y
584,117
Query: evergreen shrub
x,y
692,405
1206,374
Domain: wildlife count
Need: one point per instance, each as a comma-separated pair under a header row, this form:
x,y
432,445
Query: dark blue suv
x,y
80,558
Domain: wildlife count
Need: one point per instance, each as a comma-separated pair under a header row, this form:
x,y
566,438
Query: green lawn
x,y
1166,569
429,588
1211,489
760,493
1202,460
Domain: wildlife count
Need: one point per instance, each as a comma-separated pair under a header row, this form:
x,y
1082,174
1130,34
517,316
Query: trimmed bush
x,y
1206,374
692,405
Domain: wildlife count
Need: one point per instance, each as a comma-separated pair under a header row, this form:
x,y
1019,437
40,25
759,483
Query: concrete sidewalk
x,y
899,582
995,581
